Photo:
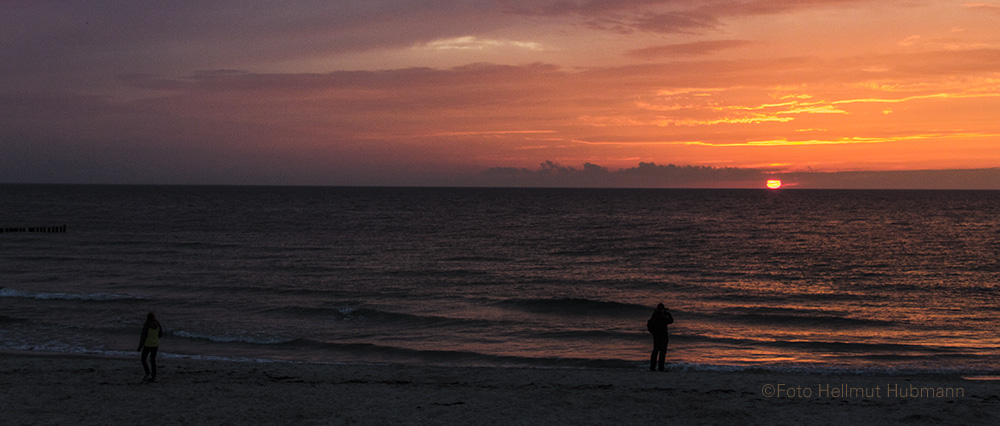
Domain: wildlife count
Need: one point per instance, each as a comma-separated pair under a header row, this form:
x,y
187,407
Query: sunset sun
x,y
773,184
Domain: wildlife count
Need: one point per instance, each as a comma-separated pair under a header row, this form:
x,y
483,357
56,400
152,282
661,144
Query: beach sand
x,y
39,388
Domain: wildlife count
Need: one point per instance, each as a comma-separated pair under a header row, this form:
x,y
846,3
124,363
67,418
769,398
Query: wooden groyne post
x,y
45,229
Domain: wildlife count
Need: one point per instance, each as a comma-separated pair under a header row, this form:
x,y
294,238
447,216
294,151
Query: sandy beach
x,y
39,388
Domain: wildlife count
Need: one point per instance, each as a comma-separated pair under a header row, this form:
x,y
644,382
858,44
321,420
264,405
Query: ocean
x,y
881,281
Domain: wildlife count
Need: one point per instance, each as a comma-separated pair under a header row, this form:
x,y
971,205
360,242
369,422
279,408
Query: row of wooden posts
x,y
49,229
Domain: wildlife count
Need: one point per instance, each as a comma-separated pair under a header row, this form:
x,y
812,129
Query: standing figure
x,y
657,326
149,344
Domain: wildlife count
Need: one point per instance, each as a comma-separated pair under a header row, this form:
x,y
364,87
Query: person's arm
x,y
142,337
670,318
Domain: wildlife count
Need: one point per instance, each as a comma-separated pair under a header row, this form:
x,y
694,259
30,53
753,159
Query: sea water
x,y
800,279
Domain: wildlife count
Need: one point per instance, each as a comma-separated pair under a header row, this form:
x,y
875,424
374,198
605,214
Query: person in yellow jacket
x,y
149,344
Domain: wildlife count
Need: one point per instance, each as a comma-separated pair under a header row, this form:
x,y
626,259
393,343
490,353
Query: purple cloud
x,y
688,49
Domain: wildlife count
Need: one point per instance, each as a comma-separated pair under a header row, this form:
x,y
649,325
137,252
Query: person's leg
x,y
152,361
659,346
145,354
663,354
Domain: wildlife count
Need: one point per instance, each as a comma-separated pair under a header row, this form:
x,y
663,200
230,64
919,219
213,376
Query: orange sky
x,y
388,93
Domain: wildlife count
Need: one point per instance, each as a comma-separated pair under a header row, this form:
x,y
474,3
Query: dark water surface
x,y
872,280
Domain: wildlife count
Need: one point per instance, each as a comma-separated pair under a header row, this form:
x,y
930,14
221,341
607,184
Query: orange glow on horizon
x,y
774,184
902,87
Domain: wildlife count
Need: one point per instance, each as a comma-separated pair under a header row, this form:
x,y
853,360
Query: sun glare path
x,y
773,184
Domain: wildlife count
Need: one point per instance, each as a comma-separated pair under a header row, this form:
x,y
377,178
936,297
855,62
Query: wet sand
x,y
38,388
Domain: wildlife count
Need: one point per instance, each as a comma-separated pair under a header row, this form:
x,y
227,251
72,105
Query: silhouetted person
x,y
149,344
657,326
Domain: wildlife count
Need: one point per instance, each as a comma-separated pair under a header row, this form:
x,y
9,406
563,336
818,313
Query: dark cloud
x,y
983,7
950,62
982,179
645,175
736,8
688,49
585,8
663,16
650,175
678,22
666,16
349,127
67,44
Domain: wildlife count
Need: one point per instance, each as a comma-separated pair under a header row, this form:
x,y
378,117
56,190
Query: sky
x,y
636,93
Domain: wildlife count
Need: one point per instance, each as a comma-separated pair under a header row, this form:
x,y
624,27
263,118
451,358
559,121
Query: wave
x,y
310,269
97,297
302,348
202,244
255,288
371,352
579,252
476,259
348,313
576,306
786,297
868,349
435,273
575,335
363,314
8,320
794,317
849,352
376,352
229,338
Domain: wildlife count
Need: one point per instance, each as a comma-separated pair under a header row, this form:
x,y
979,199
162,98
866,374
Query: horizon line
x,y
612,188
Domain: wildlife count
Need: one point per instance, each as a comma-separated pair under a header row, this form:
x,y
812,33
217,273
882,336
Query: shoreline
x,y
611,365
53,388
